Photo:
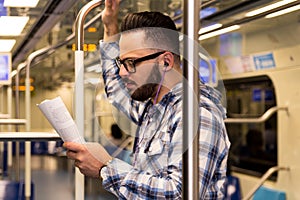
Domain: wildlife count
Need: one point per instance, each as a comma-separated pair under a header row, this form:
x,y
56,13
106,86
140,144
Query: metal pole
x,y
190,101
27,64
17,112
28,123
17,84
9,111
79,85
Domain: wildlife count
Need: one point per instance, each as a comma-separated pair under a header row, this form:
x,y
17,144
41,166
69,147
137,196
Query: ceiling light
x,y
209,28
284,11
267,8
219,32
20,3
12,25
6,45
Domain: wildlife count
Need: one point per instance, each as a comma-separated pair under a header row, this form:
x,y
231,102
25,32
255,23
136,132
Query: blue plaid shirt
x,y
156,172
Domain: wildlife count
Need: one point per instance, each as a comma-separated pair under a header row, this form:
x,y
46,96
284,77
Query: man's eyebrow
x,y
131,57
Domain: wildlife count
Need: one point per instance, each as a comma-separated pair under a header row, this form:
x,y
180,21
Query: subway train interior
x,y
253,50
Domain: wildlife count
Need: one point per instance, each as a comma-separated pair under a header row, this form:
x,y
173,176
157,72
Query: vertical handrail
x,y
27,65
17,112
9,112
28,122
79,85
263,179
190,157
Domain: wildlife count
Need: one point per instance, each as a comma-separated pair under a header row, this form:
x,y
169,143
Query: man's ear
x,y
168,61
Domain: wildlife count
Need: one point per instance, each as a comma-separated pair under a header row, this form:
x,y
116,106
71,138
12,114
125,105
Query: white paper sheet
x,y
59,117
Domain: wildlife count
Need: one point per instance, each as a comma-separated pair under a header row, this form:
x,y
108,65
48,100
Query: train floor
x,y
53,178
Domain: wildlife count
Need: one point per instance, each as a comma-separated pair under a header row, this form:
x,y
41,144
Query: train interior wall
x,y
283,41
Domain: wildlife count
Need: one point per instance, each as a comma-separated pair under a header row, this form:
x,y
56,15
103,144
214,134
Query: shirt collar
x,y
168,99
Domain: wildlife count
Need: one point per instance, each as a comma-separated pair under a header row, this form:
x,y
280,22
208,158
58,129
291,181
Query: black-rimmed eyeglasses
x,y
129,64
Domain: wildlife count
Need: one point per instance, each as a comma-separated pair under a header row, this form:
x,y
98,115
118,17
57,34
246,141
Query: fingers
x,y
88,167
111,3
77,163
75,151
71,155
111,8
88,158
108,3
110,20
72,146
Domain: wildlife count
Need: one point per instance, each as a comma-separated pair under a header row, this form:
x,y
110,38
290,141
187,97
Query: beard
x,y
149,89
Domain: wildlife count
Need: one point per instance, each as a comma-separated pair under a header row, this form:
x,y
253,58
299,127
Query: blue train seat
x,y
9,190
264,193
13,190
232,188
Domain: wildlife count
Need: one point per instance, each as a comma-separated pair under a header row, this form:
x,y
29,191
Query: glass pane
x,y
254,145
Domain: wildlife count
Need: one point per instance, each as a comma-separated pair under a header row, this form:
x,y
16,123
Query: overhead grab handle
x,y
79,23
260,119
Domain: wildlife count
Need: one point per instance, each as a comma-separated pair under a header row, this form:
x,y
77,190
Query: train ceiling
x,y
51,21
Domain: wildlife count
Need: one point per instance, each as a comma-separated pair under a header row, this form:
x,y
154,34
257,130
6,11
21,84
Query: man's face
x,y
143,83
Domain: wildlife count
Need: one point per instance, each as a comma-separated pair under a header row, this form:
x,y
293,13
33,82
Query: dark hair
x,y
159,29
147,19
116,131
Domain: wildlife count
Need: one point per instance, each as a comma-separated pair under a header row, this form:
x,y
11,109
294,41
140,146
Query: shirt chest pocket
x,y
158,151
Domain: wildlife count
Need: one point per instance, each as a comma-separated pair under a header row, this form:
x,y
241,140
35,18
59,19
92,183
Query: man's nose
x,y
123,71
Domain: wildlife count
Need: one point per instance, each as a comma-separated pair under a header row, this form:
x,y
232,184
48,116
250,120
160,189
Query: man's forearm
x,y
111,33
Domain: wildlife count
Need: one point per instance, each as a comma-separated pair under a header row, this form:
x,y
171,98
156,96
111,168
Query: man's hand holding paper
x,y
88,157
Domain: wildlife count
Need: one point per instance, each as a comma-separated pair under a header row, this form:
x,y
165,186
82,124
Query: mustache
x,y
128,81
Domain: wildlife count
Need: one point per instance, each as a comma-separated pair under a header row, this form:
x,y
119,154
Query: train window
x,y
253,145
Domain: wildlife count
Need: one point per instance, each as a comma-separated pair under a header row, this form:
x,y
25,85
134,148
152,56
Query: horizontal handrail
x,y
28,136
260,119
4,116
123,145
13,121
271,171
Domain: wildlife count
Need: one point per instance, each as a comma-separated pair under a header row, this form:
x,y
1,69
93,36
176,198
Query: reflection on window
x,y
254,145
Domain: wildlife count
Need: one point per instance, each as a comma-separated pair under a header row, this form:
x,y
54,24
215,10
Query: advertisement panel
x,y
5,68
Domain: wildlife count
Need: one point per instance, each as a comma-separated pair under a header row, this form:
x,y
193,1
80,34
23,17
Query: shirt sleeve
x,y
213,151
115,89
